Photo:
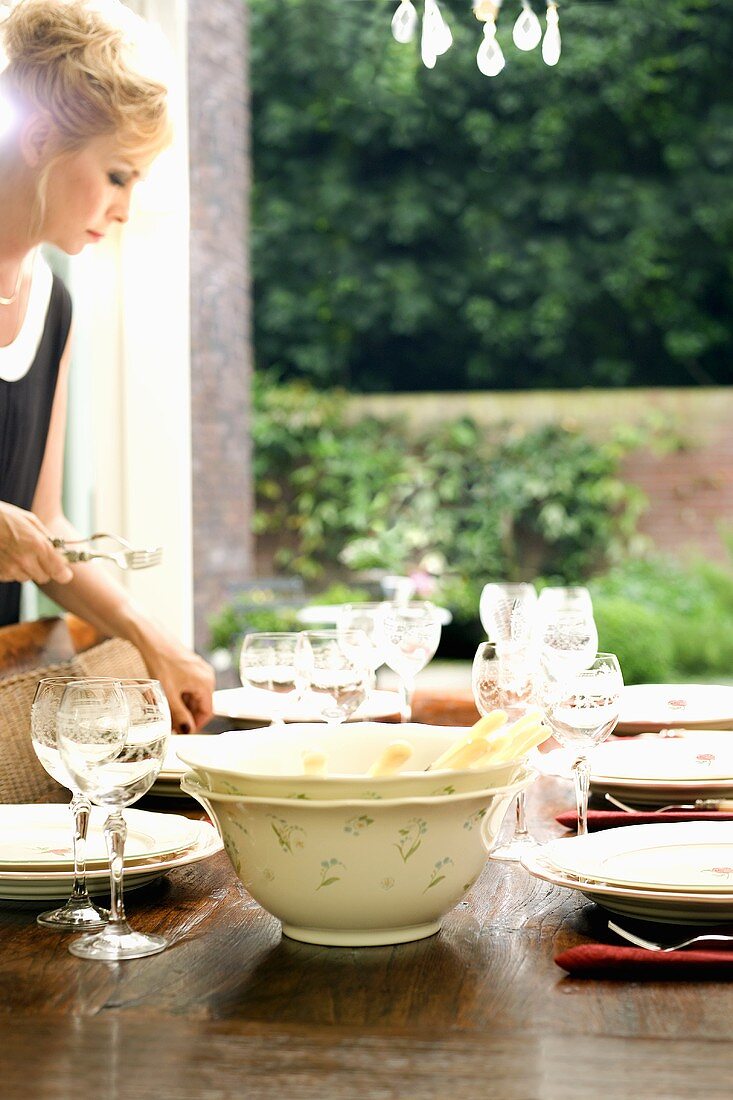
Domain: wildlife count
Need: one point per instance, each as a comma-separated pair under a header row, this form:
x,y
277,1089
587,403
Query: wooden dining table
x,y
232,1008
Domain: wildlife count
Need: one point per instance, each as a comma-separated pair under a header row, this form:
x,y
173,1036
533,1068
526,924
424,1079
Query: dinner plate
x,y
653,707
648,767
239,703
689,856
661,906
173,767
56,885
39,837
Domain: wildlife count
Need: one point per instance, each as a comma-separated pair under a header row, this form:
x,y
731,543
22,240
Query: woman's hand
x,y
26,553
187,681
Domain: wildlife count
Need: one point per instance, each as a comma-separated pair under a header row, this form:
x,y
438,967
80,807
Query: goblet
x,y
503,677
112,736
581,708
507,611
336,666
79,912
268,666
366,617
567,638
410,634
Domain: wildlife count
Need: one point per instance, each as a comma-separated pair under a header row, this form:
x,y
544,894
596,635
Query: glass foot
x,y
79,914
117,942
513,850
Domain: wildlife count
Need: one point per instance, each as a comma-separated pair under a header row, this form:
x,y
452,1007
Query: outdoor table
x,y
232,1008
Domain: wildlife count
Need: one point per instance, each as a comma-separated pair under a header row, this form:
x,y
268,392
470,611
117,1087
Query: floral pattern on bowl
x,y
359,873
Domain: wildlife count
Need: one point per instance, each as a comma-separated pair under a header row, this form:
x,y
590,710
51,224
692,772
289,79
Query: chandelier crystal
x,y
436,37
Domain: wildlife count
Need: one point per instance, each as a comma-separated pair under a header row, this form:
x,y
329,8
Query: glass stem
x,y
521,812
581,774
115,834
408,690
80,807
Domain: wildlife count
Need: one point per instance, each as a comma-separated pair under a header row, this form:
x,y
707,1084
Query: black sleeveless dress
x,y
25,412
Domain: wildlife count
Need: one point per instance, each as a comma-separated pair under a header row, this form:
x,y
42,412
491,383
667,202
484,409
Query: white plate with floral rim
x,y
654,707
703,757
688,856
39,837
44,886
239,703
660,906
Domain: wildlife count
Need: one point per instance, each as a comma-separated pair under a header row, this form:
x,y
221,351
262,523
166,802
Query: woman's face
x,y
87,192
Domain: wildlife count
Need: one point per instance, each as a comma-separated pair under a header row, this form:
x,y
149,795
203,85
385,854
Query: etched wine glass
x,y
366,617
411,633
79,913
336,667
507,611
112,736
268,666
503,677
581,707
566,633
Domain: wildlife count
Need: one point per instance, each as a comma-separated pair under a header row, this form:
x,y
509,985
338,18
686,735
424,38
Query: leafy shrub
x,y
261,609
637,637
691,604
363,495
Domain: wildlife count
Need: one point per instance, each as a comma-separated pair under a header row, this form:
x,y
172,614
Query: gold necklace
x,y
9,301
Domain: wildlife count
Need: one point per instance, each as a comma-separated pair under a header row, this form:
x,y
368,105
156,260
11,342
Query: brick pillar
x,y
221,357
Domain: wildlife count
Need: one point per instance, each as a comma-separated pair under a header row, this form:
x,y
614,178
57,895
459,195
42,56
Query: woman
x,y
79,125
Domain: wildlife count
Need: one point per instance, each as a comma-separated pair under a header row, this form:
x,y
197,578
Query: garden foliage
x,y
417,229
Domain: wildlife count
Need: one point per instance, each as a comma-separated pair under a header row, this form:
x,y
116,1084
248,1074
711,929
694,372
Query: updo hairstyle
x,y
83,64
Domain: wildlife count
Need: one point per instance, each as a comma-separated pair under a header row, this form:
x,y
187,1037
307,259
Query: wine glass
x,y
507,611
410,634
112,735
268,666
503,677
566,635
565,598
336,666
79,912
581,708
366,617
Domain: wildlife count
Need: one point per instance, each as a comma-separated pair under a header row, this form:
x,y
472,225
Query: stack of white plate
x,y
244,705
36,858
678,873
653,707
657,770
168,781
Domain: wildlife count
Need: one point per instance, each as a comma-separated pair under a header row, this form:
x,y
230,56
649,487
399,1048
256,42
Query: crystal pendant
x,y
551,41
436,34
527,29
404,22
490,58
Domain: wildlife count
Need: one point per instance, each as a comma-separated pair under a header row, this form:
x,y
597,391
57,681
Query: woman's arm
x,y
95,596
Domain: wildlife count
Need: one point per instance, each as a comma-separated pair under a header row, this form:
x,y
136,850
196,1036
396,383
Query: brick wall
x,y
220,302
690,491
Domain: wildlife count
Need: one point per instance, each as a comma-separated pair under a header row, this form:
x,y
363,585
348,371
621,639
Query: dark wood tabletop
x,y
232,1008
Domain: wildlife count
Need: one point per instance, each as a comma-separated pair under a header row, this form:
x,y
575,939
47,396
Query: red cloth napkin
x,y
613,819
601,960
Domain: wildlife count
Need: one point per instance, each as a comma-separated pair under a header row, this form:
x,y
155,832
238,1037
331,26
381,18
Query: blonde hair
x,y
85,65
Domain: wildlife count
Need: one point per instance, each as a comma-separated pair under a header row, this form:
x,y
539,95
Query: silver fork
x,y
652,945
698,804
124,559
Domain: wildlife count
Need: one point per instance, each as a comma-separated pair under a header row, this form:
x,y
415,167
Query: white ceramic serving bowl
x,y
359,873
269,762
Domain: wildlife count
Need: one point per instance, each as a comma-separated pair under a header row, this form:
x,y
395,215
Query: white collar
x,y
17,358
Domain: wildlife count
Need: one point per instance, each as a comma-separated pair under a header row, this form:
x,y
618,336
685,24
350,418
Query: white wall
x,y
129,433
